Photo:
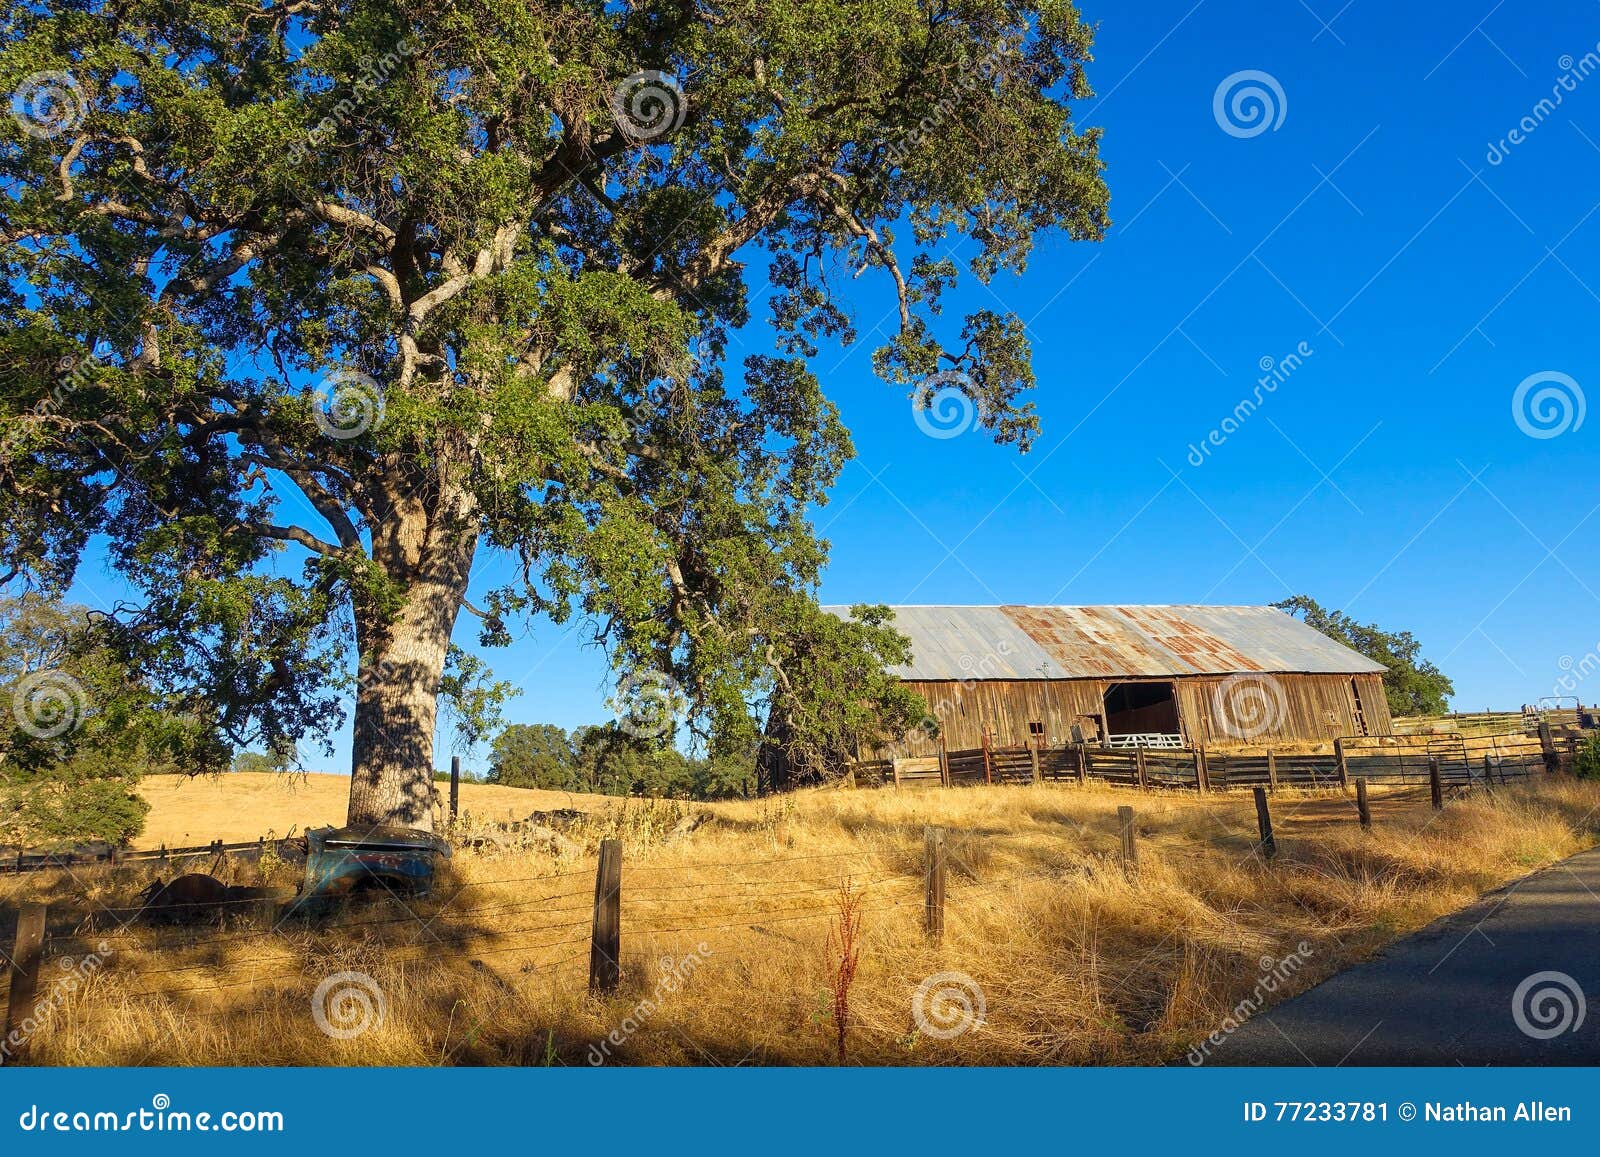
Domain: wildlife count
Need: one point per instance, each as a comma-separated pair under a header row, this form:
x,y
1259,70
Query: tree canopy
x,y
1412,684
607,759
309,307
79,730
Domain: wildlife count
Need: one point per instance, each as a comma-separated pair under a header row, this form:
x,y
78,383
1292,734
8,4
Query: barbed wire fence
x,y
578,914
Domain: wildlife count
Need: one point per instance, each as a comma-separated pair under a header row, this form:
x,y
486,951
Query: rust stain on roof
x,y
1037,642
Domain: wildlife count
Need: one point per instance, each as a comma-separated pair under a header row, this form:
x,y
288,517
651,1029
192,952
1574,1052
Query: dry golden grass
x,y
190,810
1076,964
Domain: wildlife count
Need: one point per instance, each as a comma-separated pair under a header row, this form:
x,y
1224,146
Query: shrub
x,y
1587,763
64,806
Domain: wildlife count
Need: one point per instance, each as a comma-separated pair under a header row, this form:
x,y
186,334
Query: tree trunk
x,y
401,662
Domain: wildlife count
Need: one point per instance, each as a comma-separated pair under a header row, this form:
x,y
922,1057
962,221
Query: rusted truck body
x,y
340,861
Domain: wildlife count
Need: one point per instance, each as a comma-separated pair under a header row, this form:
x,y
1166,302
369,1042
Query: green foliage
x,y
77,732
1413,685
455,221
534,755
67,806
1586,765
606,759
472,697
836,696
263,761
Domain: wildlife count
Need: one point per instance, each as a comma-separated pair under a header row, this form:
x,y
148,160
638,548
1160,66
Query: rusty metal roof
x,y
1015,642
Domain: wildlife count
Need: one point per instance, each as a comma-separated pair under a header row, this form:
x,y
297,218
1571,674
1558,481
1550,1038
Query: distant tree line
x,y
607,760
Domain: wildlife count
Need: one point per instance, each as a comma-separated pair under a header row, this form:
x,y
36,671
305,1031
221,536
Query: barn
x,y
1156,676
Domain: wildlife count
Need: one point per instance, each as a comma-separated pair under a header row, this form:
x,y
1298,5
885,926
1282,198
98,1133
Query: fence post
x,y
1435,784
1272,771
1138,763
24,975
1362,809
1033,750
1344,767
944,763
605,942
1083,763
1130,852
1202,773
455,787
988,771
1547,744
933,882
1269,846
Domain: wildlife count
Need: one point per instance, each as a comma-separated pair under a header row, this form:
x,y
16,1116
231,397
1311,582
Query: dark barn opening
x,y
1141,709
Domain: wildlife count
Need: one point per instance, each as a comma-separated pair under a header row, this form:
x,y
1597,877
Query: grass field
x,y
730,932
243,806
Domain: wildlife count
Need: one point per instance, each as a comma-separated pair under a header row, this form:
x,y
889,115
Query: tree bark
x,y
402,660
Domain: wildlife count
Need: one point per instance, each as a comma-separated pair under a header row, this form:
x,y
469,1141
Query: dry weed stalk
x,y
1080,966
844,953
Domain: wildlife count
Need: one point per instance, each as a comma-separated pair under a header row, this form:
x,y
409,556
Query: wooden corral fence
x,y
1390,759
578,928
15,860
1564,722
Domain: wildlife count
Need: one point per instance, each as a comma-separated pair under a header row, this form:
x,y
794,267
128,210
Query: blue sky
x,y
1386,474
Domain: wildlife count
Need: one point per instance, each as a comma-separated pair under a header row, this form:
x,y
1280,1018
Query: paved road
x,y
1445,994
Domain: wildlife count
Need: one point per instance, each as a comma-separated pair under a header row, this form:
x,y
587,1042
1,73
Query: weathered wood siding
x,y
1008,706
1315,708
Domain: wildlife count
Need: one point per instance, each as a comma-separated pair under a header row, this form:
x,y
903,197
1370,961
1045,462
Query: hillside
x,y
239,806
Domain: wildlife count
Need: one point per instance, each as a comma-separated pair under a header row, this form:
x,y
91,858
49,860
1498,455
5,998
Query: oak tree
x,y
312,307
1412,685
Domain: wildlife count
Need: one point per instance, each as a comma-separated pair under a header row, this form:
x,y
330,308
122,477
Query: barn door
x,y
1360,714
